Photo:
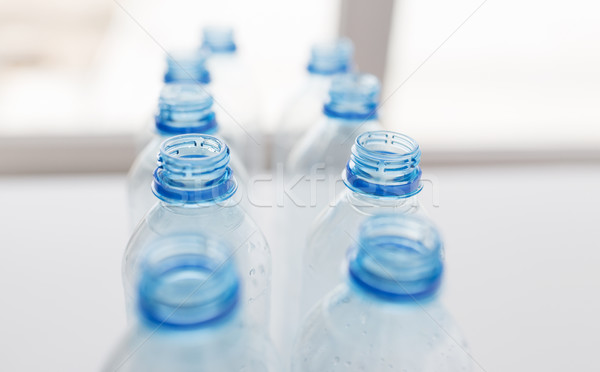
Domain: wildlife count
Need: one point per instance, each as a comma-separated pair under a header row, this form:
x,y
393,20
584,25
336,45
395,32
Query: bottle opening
x,y
388,145
384,164
193,147
187,67
185,108
331,57
353,97
219,39
193,169
191,284
397,257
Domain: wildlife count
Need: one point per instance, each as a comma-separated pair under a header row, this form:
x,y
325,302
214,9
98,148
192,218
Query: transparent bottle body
x,y
352,331
304,109
324,257
227,220
327,145
141,175
237,108
222,347
315,170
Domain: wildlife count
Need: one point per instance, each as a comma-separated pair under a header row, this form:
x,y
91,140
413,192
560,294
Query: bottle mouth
x,y
194,149
185,108
219,39
353,97
187,66
331,58
187,281
193,168
389,146
398,257
384,164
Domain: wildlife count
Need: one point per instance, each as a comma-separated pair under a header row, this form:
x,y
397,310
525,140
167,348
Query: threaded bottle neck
x,y
187,67
353,97
193,169
384,164
397,258
218,40
186,281
185,108
331,58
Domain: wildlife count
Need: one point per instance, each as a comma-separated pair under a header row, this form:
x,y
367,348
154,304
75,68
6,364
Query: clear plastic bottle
x,y
182,67
315,165
350,111
187,67
326,61
382,175
196,189
182,108
236,99
387,315
190,313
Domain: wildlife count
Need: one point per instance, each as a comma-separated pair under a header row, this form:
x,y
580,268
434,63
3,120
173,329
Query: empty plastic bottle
x,y
314,169
190,313
196,190
387,315
182,67
182,108
350,111
235,93
382,175
306,106
187,67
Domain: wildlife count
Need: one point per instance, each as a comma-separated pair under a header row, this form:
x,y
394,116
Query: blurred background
x,y
503,97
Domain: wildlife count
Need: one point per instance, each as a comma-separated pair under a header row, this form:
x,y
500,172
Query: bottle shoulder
x,y
350,209
327,142
155,349
358,329
229,222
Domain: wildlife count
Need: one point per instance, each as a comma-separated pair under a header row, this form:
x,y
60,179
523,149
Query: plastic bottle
x,y
182,67
387,315
190,313
235,94
182,108
381,175
197,193
350,111
314,169
187,67
306,106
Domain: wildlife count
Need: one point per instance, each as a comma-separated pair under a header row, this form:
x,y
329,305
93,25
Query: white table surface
x,y
522,247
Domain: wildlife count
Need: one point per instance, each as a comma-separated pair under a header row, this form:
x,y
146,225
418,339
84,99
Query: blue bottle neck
x,y
219,40
384,164
193,169
331,58
185,108
188,284
353,97
187,68
398,258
